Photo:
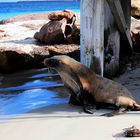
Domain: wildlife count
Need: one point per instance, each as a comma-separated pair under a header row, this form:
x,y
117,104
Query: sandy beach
x,y
62,121
67,122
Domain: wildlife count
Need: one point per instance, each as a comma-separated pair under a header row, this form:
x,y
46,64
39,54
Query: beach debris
x,y
132,132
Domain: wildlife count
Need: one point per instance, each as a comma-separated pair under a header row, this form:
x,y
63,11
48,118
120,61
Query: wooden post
x,y
92,34
126,7
119,17
111,44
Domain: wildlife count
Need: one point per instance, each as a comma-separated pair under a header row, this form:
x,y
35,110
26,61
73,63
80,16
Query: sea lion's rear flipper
x,y
116,112
136,107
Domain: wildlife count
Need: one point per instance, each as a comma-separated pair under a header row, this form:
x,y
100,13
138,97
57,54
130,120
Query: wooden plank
x,y
92,34
117,12
111,44
126,7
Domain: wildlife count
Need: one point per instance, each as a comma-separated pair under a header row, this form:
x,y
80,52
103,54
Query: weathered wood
x,y
111,44
92,34
126,7
117,12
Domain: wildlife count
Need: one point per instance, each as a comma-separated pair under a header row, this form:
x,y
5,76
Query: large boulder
x,y
52,32
135,8
60,29
14,58
31,56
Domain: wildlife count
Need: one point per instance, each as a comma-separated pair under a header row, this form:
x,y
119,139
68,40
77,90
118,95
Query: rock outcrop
x,y
15,57
19,50
67,14
52,32
26,17
60,29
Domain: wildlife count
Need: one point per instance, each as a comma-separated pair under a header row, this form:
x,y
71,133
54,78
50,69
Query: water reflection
x,y
24,91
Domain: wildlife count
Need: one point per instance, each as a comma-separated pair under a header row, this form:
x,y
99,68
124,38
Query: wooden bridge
x,y
105,32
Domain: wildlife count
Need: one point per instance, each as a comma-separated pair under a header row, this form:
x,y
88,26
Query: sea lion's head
x,y
64,65
59,62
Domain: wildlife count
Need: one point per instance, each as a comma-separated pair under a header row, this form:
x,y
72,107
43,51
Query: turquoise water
x,y
10,9
25,91
22,92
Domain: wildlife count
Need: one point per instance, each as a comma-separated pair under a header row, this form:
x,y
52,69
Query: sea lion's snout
x,y
50,62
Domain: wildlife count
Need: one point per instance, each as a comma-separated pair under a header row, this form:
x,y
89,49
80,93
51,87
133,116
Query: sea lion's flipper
x,y
78,95
88,103
116,112
73,83
73,100
136,107
89,108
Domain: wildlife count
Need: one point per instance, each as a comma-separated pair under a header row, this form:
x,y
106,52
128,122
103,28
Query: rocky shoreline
x,y
18,48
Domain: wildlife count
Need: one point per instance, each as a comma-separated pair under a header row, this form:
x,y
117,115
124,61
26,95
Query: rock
x,y
52,32
26,17
70,50
74,37
14,58
59,29
19,50
59,15
135,8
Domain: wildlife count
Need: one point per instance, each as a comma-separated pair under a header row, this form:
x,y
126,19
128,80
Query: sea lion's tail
x,y
136,107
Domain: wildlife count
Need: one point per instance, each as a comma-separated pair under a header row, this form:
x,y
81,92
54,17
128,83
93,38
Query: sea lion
x,y
89,89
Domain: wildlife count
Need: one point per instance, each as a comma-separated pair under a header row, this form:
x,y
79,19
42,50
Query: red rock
x,y
52,32
59,15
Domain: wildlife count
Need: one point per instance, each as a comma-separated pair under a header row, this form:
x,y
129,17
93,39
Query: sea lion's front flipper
x,y
78,95
73,100
116,112
89,108
73,84
88,103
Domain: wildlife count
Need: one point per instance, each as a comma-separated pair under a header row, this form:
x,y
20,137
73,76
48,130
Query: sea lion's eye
x,y
52,63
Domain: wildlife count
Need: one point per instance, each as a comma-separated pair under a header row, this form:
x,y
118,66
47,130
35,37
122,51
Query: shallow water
x,y
11,9
25,91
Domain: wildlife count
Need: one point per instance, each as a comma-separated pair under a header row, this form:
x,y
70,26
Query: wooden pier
x,y
105,31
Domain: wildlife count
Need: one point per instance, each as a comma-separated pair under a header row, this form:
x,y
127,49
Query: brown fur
x,y
102,90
